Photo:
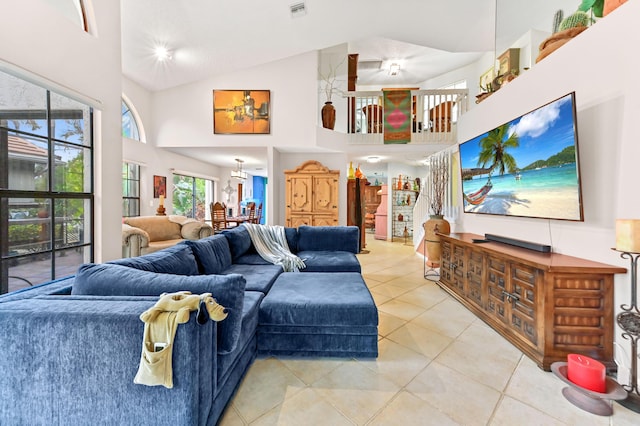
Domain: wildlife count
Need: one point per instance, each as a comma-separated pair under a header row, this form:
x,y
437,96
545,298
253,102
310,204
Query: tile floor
x,y
438,365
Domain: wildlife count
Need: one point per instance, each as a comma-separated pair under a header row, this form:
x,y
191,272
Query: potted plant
x,y
437,224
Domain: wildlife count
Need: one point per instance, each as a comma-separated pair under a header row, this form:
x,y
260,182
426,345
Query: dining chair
x,y
251,212
258,214
218,216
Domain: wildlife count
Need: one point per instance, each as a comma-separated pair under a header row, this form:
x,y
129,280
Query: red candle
x,y
586,372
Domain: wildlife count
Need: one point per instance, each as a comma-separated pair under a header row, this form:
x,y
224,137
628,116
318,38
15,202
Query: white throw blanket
x,y
271,244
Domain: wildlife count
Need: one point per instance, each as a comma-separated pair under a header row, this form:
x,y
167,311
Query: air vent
x,y
298,9
369,65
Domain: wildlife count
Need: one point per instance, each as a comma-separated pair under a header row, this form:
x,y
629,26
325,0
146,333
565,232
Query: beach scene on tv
x,y
526,167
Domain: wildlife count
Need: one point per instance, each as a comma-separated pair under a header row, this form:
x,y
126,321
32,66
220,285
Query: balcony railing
x,y
434,117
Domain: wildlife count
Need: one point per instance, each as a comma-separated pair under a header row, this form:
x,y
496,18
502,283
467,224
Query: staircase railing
x,y
434,115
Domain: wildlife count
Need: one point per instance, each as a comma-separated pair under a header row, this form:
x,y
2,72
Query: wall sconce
x,y
394,69
238,173
373,159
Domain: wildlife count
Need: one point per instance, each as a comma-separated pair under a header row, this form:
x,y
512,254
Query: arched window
x,y
130,123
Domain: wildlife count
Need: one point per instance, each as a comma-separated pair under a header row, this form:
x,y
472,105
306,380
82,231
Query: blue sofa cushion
x,y
239,241
212,254
259,277
291,234
116,280
319,299
328,238
250,259
250,311
330,261
176,259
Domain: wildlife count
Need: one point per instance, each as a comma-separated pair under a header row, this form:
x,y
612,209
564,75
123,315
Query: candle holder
x,y
588,400
161,211
629,322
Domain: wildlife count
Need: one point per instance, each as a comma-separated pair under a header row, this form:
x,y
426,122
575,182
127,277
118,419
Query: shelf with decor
x,y
404,193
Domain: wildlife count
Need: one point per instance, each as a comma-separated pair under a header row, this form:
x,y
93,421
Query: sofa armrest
x,y
195,230
133,240
79,355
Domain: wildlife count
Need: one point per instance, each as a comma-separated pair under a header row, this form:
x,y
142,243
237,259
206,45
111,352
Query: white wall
x,y
600,67
42,45
159,161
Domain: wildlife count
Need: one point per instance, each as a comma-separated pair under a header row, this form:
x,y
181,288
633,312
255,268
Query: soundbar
x,y
543,248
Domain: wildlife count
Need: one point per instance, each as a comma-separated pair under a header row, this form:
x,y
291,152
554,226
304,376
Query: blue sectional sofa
x,y
69,349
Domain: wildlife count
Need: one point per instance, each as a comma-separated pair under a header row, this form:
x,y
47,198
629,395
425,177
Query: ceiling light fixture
x,y
394,69
162,53
238,173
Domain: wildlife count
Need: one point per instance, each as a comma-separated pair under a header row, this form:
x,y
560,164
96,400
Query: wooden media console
x,y
547,304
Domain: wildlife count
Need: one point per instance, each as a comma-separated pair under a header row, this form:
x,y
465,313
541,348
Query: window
x,y
192,196
46,188
130,189
130,128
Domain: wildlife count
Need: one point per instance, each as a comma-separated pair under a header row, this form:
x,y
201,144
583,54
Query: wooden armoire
x,y
311,195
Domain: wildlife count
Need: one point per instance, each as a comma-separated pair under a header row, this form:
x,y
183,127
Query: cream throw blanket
x,y
271,244
160,325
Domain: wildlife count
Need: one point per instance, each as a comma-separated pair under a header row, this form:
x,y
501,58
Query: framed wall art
x,y
486,80
242,112
509,62
159,186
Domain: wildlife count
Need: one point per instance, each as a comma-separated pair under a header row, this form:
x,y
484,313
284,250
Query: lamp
x,y
238,173
394,69
373,159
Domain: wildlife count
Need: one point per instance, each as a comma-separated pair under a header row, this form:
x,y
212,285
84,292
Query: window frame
x,y
126,198
54,196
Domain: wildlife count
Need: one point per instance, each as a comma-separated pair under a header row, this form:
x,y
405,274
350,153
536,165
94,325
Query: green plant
x,y
557,20
596,7
577,19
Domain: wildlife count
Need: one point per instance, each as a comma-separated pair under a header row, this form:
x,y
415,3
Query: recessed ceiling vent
x,y
298,9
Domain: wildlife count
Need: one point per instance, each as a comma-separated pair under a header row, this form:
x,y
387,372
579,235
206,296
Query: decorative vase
x,y
351,173
436,224
328,115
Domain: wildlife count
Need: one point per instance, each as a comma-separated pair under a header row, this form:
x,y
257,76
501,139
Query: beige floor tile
x,y
403,310
543,391
512,412
267,383
407,409
231,417
388,323
482,355
356,391
389,290
419,339
437,319
311,369
396,362
380,298
304,408
464,400
427,295
406,282
622,416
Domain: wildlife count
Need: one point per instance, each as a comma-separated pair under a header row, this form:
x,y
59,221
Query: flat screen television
x,y
527,167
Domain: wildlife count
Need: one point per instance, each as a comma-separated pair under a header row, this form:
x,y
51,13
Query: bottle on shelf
x,y
351,173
